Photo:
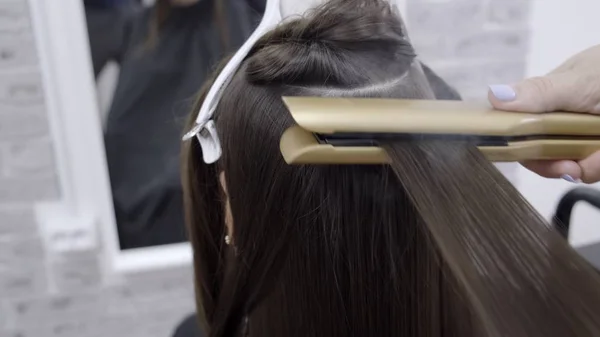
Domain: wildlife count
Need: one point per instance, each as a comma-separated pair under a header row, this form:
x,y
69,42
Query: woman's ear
x,y
228,215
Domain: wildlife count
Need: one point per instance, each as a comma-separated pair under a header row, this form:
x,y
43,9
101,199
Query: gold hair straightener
x,y
348,130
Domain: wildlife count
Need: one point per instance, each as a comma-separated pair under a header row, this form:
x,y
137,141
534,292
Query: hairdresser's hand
x,y
574,86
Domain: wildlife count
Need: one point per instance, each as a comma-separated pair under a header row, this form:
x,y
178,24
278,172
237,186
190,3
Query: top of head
x,y
275,12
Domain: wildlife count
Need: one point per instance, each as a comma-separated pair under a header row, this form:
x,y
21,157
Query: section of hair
x,y
204,213
343,46
522,277
293,239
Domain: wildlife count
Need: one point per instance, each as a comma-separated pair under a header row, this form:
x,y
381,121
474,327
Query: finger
x,y
565,169
539,94
590,167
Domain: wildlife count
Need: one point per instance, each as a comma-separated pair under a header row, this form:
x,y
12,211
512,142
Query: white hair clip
x,y
204,129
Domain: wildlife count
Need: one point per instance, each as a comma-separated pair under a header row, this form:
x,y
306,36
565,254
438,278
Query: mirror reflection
x,y
149,60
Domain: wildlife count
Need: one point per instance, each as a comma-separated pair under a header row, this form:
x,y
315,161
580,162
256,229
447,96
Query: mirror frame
x,y
83,219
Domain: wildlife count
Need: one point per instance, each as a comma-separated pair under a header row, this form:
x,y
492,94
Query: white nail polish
x,y
570,179
503,92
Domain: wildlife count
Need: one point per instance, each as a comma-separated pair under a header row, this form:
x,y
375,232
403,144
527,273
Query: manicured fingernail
x,y
503,92
570,179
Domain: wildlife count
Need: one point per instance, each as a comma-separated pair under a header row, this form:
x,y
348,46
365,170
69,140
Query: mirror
x,y
149,60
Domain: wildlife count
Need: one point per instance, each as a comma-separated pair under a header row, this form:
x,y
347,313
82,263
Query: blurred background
x,y
92,103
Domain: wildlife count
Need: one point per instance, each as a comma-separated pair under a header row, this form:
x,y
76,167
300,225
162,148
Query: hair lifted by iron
x,y
436,244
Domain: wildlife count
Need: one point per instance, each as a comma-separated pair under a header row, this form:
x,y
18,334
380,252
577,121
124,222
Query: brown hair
x,y
436,244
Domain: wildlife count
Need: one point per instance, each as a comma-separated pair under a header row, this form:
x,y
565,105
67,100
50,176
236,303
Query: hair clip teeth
x,y
193,132
206,133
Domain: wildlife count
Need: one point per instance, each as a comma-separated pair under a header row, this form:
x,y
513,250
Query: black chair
x,y
188,327
562,217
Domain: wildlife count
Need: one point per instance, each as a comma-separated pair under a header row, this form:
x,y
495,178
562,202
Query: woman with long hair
x,y
165,52
438,243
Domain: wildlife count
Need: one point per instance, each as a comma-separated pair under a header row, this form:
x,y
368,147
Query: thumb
x,y
590,168
538,94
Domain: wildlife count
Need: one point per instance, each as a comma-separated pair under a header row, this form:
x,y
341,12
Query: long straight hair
x,y
436,244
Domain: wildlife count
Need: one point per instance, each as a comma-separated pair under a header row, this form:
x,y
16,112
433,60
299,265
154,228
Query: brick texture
x,y
16,221
471,43
50,295
17,50
22,122
14,16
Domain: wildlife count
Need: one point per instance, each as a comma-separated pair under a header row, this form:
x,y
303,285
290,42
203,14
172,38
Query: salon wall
x,y
46,294
558,32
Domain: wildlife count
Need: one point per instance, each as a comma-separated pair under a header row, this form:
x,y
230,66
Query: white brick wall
x,y
43,294
470,42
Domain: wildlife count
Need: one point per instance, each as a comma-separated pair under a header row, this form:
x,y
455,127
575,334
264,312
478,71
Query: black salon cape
x,y
154,95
